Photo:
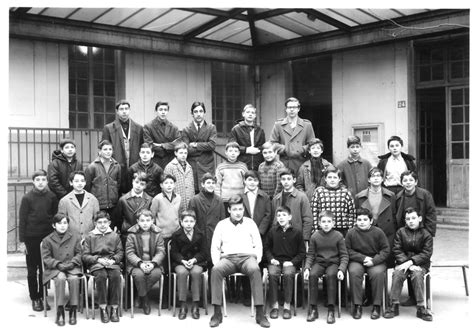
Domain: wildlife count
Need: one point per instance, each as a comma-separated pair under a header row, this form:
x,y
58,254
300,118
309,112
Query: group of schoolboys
x,y
292,221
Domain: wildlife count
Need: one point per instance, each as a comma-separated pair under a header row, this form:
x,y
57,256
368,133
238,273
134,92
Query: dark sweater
x,y
37,209
326,249
362,243
285,246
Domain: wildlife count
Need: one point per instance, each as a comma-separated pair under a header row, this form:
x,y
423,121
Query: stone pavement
x,y
451,306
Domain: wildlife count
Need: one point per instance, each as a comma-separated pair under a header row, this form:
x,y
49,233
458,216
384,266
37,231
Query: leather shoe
x,y
274,313
195,311
60,316
393,311
375,312
357,314
216,319
114,315
183,311
331,319
409,302
286,313
313,315
262,321
424,314
146,305
104,315
73,315
36,305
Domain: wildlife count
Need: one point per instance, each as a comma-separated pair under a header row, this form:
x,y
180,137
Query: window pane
x,y
466,132
72,102
425,74
82,87
456,97
98,121
98,105
457,133
82,70
82,104
466,96
466,114
457,151
110,89
80,52
98,88
109,118
109,72
72,86
437,72
424,56
98,72
98,54
110,105
437,55
457,70
109,56
82,120
456,53
457,115
466,151
72,120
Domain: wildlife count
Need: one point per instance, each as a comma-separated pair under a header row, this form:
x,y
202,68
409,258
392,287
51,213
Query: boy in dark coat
x,y
152,170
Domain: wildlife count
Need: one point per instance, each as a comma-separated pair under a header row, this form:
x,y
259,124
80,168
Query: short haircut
x,y
74,173
146,146
144,212
65,141
283,208
327,214
180,146
411,210
353,139
248,106
121,102
208,176
332,169
187,213
235,199
314,141
196,104
162,103
251,174
102,214
395,138
374,170
269,145
232,145
364,212
103,143
58,217
408,173
287,171
39,172
292,99
166,176
141,176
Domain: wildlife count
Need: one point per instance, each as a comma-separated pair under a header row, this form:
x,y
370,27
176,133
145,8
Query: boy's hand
x,y
252,150
404,266
103,261
414,268
306,245
306,274
288,263
340,275
274,262
368,261
144,267
61,267
69,266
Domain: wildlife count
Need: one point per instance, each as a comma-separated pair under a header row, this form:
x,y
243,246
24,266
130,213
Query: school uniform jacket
x,y
81,218
127,209
134,247
114,134
152,170
354,174
408,158
262,212
57,250
104,185
184,249
58,173
184,180
165,133
304,179
416,245
102,245
201,158
240,133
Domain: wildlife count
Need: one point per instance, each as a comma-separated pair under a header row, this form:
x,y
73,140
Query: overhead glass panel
x,y
143,17
190,23
276,30
333,13
317,24
116,15
167,20
87,14
58,12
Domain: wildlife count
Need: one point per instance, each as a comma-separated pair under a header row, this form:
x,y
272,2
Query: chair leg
x,y
162,281
93,298
465,279
204,287
121,295
252,307
428,296
45,289
295,293
338,298
174,293
223,298
85,297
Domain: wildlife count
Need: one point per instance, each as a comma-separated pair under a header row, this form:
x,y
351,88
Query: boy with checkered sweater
x,y
269,171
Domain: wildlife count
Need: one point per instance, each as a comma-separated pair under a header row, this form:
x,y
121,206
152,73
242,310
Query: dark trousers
x,y
194,275
376,276
315,273
144,282
288,278
114,289
33,266
60,288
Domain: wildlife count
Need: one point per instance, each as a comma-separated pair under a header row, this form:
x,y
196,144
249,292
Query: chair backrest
x,y
168,256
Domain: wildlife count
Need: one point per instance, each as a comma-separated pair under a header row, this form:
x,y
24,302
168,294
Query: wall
x,y
38,84
367,84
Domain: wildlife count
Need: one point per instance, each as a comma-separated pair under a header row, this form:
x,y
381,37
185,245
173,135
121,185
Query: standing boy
x,y
354,169
269,170
37,209
147,165
62,164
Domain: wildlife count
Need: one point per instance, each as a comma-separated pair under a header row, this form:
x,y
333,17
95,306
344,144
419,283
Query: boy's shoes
x,y
104,315
114,315
357,313
60,316
424,314
73,315
286,313
393,311
375,312
183,311
313,314
409,302
274,313
195,311
146,305
216,319
331,319
36,305
262,320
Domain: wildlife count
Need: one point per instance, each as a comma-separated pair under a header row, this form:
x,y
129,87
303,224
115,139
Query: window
x,y
459,123
92,86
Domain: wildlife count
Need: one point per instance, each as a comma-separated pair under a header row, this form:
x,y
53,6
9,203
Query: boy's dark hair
x,y
104,142
332,169
353,139
39,172
74,173
283,208
232,145
364,212
180,146
374,170
292,99
208,176
251,174
146,146
187,213
166,176
269,145
121,102
394,138
235,199
102,214
65,141
58,217
314,141
287,171
162,103
327,214
196,104
141,176
144,212
411,210
408,173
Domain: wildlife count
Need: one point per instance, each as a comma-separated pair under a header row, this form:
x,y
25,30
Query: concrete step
x,y
452,212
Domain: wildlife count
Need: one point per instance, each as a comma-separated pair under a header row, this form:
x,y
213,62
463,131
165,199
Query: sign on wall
x,y
371,135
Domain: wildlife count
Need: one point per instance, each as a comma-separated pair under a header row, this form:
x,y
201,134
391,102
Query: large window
x,y
92,86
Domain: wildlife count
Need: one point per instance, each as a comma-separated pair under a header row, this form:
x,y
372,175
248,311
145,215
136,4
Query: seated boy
x,y
188,259
368,249
236,247
147,165
62,253
284,250
102,255
327,255
145,251
269,170
412,247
